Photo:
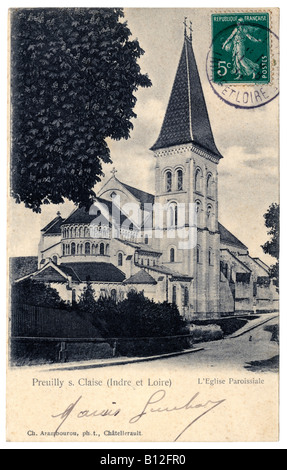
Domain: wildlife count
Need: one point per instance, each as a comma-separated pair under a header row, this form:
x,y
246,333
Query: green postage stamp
x,y
241,48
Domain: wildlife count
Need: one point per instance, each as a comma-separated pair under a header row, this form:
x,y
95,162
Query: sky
x,y
247,138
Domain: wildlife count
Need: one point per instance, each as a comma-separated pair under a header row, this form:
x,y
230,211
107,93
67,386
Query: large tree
x,y
74,74
271,247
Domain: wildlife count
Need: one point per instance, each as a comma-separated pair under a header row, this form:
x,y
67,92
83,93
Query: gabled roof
x,y
141,277
142,196
53,227
237,259
186,119
50,274
228,238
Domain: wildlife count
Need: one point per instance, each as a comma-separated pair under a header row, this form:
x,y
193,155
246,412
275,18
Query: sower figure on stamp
x,y
241,64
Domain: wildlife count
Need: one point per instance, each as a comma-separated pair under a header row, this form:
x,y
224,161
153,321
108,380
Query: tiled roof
x,y
228,238
141,277
186,119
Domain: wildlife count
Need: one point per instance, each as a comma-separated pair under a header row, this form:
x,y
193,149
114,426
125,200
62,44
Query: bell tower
x,y
186,179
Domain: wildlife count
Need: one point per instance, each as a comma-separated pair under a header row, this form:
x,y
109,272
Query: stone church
x,y
170,244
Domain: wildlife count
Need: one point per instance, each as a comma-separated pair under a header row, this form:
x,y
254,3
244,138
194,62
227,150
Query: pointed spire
x,y
186,119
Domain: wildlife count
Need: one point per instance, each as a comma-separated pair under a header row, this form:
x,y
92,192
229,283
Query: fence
x,y
44,334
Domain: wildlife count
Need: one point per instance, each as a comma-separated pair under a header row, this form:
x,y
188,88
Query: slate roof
x,y
83,216
141,277
228,238
21,266
99,272
186,119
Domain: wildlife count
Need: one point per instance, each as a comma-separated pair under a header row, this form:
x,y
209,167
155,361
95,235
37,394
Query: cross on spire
x,y
114,171
185,25
190,30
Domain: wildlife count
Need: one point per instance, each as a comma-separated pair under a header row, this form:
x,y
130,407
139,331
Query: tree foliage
x,y
74,76
36,293
271,247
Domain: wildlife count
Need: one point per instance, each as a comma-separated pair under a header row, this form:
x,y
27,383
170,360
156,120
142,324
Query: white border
x,y
282,444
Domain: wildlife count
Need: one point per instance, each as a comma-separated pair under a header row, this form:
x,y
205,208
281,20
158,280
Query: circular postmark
x,y
242,63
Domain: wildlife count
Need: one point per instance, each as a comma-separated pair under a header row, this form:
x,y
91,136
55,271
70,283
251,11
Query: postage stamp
x,y
241,50
242,64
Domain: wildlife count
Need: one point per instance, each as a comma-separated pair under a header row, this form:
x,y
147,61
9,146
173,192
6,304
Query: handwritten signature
x,y
156,398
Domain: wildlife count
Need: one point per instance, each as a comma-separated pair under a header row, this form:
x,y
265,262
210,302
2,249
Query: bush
x,y
36,293
150,324
205,333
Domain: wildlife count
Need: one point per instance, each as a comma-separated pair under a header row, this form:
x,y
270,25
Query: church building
x,y
168,245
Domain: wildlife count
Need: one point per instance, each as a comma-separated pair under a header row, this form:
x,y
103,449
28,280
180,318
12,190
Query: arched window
x,y
209,185
55,259
198,178
179,174
209,210
171,255
120,259
93,249
81,232
173,215
73,248
168,181
87,231
107,249
210,218
146,239
198,207
87,248
102,248
174,294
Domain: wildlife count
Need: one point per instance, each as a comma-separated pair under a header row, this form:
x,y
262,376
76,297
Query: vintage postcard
x,y
143,225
